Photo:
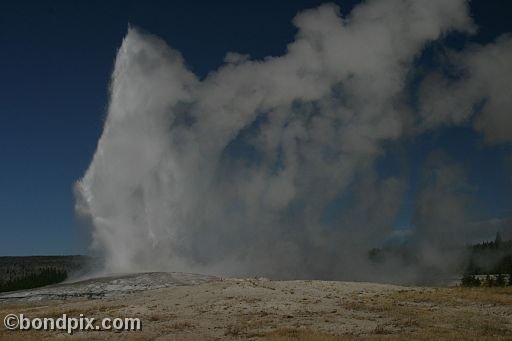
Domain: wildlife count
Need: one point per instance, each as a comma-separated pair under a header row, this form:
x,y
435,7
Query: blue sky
x,y
56,59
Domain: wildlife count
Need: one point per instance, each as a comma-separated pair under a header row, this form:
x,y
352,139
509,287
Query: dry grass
x,y
56,309
288,334
182,325
455,296
433,314
411,314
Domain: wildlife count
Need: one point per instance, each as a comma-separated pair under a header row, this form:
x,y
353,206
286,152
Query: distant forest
x,y
19,273
33,280
488,263
490,257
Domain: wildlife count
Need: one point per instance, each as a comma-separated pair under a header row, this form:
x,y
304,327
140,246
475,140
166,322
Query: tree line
x,y
489,264
44,276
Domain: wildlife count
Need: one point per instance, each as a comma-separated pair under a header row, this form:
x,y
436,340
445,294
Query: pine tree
x,y
498,240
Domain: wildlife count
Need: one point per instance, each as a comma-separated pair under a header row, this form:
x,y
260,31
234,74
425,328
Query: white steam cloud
x,y
481,94
266,167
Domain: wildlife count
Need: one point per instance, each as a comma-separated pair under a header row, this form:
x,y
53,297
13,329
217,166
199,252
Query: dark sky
x,y
56,58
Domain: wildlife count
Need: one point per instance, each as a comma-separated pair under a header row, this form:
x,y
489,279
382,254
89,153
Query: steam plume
x,y
265,167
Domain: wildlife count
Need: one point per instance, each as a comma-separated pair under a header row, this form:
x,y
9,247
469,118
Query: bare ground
x,y
260,309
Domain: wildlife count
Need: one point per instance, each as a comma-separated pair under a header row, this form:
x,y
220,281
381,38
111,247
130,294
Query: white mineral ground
x,y
180,306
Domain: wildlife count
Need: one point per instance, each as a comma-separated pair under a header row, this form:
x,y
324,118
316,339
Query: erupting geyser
x,y
265,167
